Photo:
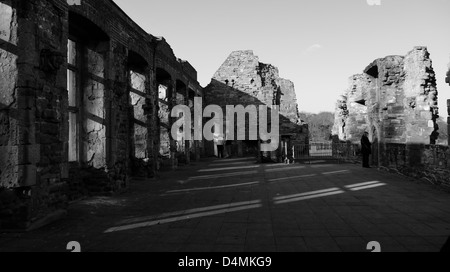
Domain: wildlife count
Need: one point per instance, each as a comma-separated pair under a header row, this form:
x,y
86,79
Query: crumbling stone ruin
x,y
244,80
84,100
395,100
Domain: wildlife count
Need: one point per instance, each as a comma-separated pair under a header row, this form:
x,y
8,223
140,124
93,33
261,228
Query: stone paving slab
x,y
240,206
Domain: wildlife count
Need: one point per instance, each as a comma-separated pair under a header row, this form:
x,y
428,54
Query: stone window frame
x,y
83,75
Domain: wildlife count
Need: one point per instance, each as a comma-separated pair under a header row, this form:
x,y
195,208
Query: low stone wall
x,y
430,163
78,104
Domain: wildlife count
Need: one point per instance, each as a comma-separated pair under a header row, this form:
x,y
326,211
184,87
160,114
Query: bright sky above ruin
x,y
318,44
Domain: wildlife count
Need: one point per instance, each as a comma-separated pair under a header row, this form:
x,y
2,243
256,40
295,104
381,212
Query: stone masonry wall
x,y
398,105
395,100
244,80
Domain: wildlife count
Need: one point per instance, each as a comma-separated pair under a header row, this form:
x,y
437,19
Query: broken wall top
x,y
359,86
243,71
401,90
239,69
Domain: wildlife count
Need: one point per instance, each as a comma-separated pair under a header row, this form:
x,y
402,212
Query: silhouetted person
x,y
366,149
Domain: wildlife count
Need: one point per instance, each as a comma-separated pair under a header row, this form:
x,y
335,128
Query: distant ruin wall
x,y
395,100
428,163
244,80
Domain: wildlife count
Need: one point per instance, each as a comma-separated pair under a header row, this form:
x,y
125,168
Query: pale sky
x,y
318,44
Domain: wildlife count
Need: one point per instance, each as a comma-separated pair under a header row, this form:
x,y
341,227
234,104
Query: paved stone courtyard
x,y
236,205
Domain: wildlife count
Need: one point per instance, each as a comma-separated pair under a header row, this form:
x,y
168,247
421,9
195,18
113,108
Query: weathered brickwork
x,y
430,163
79,104
395,100
352,117
244,80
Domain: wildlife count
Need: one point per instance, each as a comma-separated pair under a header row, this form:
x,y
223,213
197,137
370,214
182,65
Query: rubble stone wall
x,y
430,163
395,100
117,114
244,80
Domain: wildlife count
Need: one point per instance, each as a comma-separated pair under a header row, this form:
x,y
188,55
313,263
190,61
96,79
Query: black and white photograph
x,y
225,127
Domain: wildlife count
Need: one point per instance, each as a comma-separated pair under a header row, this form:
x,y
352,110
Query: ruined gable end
x,y
243,80
395,100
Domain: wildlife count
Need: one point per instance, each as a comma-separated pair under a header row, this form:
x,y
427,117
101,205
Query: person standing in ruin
x,y
366,147
220,146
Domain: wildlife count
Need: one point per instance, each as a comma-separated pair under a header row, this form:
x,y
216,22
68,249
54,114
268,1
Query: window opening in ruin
x,y
163,93
73,77
181,99
85,86
165,87
361,102
87,46
137,98
191,98
7,32
373,71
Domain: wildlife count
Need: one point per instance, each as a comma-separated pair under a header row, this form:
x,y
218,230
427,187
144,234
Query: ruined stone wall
x,y
340,118
244,80
429,163
118,112
421,94
398,104
179,81
395,100
357,119
33,99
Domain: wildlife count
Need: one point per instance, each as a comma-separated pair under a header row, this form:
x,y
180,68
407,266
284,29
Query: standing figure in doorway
x,y
366,147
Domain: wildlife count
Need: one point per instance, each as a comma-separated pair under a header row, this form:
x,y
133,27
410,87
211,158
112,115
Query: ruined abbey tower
x,y
244,80
395,100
